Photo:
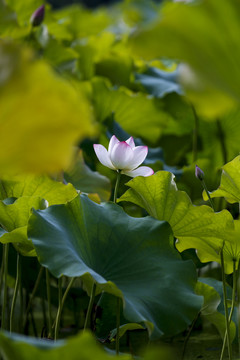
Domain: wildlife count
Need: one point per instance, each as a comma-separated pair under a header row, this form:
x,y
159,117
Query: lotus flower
x,y
38,16
124,157
199,173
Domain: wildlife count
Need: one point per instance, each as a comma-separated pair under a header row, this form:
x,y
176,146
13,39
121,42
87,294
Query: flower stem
x,y
14,299
232,305
61,303
49,304
90,306
221,137
5,254
238,307
33,294
207,192
225,305
118,324
117,186
195,135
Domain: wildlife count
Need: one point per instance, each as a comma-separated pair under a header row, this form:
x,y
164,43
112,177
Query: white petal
x,y
121,155
141,171
130,142
139,155
113,141
103,156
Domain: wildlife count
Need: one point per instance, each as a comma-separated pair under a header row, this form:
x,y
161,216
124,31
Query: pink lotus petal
x,y
113,141
121,155
130,142
139,155
141,171
103,156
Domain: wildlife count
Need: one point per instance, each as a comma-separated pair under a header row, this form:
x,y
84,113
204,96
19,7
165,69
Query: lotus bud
x,y
38,16
199,173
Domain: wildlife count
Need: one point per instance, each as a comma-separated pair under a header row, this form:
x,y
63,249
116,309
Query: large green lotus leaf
x,y
62,116
230,182
186,32
194,226
81,347
127,257
86,180
130,109
38,186
210,311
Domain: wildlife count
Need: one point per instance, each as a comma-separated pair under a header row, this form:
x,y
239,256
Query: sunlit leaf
x,y
194,226
31,192
210,309
43,121
41,186
104,245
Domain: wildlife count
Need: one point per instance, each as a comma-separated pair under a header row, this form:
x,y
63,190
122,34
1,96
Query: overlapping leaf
x,y
127,257
194,226
130,109
86,180
210,308
230,182
29,192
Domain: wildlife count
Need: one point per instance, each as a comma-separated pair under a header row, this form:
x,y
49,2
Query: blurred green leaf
x,y
43,121
130,109
158,82
105,246
24,9
81,347
186,32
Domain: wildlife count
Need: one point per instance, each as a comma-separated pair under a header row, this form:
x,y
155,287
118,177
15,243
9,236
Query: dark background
x,y
87,3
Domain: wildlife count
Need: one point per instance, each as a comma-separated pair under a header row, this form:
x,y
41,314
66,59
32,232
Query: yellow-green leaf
x,y
41,117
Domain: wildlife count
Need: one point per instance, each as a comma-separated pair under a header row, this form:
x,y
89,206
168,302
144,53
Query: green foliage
x,y
210,310
45,143
86,180
120,254
119,65
230,182
82,347
194,226
31,192
129,109
187,33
